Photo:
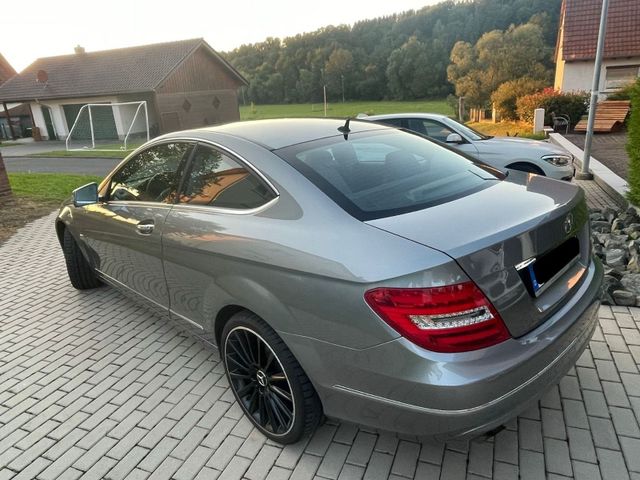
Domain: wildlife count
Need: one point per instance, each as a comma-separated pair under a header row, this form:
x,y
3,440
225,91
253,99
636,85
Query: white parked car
x,y
504,153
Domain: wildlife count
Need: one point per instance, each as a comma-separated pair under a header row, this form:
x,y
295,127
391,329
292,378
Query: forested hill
x,y
402,56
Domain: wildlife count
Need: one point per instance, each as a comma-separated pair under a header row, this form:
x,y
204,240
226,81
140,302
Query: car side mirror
x,y
85,195
454,138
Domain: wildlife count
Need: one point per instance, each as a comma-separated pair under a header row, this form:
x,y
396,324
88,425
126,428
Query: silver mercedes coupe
x,y
348,269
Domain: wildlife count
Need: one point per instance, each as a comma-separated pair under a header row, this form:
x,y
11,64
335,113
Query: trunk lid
x,y
524,242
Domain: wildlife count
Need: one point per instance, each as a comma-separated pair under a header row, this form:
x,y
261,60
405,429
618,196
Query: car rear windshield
x,y
380,174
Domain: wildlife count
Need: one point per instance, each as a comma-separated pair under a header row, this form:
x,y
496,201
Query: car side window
x,y
152,175
217,180
395,122
431,128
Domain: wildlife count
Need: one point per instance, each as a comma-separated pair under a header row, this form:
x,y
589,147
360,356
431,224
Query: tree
x,y
6,195
505,96
304,85
497,57
338,70
371,43
414,71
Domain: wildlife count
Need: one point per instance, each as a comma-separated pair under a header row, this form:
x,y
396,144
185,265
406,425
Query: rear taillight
x,y
454,318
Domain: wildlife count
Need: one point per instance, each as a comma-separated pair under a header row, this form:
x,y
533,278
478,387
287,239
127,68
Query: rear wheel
x,y
81,275
526,167
267,380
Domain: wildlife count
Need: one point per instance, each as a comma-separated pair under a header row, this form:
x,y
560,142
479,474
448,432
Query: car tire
x,y
526,167
267,381
81,275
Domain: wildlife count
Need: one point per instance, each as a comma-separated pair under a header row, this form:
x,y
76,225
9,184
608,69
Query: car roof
x,y
435,116
283,132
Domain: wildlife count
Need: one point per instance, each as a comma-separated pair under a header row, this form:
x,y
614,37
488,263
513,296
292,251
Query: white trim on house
x,y
578,75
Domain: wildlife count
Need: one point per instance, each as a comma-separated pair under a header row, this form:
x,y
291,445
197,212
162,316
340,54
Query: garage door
x,y
104,125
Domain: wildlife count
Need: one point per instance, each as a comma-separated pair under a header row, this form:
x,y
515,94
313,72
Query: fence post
x,y
538,120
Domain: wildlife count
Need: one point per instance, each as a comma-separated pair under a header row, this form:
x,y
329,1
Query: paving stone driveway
x,y
91,384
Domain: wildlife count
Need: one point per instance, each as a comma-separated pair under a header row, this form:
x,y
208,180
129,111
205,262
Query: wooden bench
x,y
610,115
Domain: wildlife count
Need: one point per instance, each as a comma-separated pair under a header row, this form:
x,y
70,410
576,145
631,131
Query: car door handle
x,y
145,227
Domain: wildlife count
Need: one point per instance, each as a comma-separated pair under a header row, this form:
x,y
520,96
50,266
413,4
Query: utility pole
x,y
584,173
342,79
324,93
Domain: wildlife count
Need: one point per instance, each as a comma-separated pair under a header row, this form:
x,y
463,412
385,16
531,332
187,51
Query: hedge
x,y
572,104
505,96
633,145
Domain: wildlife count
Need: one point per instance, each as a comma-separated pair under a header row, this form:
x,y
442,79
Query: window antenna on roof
x,y
345,129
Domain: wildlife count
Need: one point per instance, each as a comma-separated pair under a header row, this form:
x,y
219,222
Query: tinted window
x,y
373,175
396,122
430,128
150,176
217,180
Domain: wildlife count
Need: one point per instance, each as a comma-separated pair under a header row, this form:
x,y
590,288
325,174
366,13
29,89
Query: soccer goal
x,y
107,127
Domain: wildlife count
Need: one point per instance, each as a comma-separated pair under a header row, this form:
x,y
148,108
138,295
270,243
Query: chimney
x,y
79,49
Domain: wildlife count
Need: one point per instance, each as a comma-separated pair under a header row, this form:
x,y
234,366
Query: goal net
x,y
107,127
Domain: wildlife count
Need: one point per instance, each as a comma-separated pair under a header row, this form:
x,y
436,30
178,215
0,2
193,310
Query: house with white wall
x,y
577,42
14,118
186,84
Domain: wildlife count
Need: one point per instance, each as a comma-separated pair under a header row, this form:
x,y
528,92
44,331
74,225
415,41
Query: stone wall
x,y
616,241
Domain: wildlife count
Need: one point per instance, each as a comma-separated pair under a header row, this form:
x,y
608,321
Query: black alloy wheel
x,y
259,381
267,381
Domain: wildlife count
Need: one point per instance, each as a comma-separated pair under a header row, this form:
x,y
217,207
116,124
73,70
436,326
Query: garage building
x,y
186,84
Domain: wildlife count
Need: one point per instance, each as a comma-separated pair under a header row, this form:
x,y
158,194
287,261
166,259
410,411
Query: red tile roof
x,y
580,20
6,70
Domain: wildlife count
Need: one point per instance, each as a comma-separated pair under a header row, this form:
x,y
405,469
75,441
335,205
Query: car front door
x,y
124,232
209,235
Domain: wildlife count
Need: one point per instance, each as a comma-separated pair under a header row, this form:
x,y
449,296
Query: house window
x,y
618,77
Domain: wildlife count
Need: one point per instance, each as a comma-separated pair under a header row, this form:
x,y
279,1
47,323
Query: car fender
x,y
63,220
536,163
255,297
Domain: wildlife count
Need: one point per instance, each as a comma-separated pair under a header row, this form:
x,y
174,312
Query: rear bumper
x,y
400,387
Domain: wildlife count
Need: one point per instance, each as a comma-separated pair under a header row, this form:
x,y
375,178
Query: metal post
x,y
93,137
324,92
6,111
584,173
146,116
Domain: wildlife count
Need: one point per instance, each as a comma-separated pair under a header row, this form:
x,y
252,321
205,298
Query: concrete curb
x,y
611,183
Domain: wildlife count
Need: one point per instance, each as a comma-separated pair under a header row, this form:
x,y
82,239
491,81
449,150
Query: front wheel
x,y
81,275
267,380
526,167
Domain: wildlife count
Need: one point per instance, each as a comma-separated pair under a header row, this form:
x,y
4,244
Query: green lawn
x,y
49,188
347,109
503,129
